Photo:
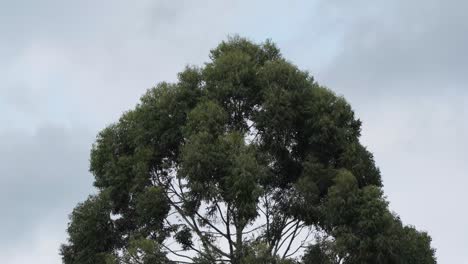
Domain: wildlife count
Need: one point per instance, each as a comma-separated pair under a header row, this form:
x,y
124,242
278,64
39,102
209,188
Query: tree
x,y
244,160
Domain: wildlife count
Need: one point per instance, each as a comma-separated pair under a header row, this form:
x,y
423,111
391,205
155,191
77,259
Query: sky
x,y
70,68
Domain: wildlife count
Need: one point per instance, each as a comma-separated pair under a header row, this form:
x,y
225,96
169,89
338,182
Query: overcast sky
x,y
69,68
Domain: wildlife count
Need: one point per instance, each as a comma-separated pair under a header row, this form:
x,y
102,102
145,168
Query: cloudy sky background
x,y
69,68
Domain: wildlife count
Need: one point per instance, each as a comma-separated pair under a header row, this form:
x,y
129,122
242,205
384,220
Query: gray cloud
x,y
41,174
416,46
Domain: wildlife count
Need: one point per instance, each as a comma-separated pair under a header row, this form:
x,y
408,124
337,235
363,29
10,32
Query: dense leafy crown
x,y
245,160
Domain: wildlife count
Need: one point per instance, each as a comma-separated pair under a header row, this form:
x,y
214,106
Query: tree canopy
x,y
244,160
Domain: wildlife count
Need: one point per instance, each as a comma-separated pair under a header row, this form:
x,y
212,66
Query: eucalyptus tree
x,y
246,159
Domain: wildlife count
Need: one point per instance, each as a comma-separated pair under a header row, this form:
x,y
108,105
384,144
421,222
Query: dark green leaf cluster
x,y
91,232
239,161
360,229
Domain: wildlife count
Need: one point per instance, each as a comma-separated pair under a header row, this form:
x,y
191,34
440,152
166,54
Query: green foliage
x,y
184,237
141,251
258,253
230,164
91,233
151,211
360,229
